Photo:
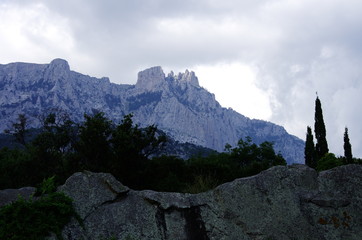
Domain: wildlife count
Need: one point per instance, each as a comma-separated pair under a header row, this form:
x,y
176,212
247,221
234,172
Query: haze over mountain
x,y
176,103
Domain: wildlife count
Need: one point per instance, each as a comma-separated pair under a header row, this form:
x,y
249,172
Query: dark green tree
x,y
94,146
320,131
131,147
19,129
60,130
347,148
252,158
309,150
245,152
51,148
328,161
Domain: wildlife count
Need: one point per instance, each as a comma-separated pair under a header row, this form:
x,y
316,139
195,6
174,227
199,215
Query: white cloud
x,y
33,33
233,85
281,51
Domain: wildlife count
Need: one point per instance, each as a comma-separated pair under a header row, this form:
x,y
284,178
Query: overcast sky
x,y
264,58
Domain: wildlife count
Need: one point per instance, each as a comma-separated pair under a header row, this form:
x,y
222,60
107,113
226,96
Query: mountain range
x,y
176,103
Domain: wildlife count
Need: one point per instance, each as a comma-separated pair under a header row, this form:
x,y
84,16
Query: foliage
x,y
93,145
131,147
124,150
309,150
166,173
254,157
347,148
135,102
320,130
51,150
244,160
220,167
35,219
19,129
47,186
328,161
317,156
202,183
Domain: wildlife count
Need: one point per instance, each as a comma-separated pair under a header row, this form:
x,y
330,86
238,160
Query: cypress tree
x,y
347,147
309,150
320,130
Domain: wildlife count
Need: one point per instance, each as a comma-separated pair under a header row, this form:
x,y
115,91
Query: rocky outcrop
x,y
293,202
176,103
150,79
8,196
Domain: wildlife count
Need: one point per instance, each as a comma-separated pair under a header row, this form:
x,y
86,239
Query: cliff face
x,y
175,103
293,202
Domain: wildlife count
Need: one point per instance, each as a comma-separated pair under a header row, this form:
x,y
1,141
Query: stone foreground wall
x,y
284,202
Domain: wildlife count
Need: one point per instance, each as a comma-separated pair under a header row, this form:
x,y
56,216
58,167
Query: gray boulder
x,y
91,190
284,202
8,196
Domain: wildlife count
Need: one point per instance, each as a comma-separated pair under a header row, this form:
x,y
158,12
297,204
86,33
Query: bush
x,y
328,161
16,169
35,219
165,173
202,183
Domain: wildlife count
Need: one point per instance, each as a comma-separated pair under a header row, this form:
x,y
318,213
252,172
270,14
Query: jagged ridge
x,y
177,104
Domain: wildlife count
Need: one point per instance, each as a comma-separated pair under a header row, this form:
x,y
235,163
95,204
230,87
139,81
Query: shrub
x,y
47,186
35,219
327,162
202,184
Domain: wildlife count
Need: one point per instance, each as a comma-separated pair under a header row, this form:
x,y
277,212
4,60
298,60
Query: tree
x,y
347,148
309,150
19,129
52,147
328,161
94,145
320,130
61,130
245,152
250,155
131,148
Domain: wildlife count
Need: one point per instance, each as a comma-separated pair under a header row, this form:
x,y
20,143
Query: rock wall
x,y
292,202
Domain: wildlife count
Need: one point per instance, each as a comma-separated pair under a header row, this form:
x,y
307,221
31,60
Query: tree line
x,y
125,150
317,154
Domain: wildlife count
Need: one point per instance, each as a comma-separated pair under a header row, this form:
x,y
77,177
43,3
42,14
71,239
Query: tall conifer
x,y
347,147
320,130
309,150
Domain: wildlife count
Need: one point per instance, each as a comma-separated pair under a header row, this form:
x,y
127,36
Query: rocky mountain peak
x,y
60,64
58,70
150,78
188,77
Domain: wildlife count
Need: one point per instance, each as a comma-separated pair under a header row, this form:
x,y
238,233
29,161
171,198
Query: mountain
x,y
176,103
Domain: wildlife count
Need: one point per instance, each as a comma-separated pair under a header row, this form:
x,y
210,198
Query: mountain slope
x,y
175,103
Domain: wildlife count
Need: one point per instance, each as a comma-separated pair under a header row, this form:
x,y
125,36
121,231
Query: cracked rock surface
x,y
284,202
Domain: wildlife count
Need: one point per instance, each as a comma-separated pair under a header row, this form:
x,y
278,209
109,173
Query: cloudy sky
x,y
264,58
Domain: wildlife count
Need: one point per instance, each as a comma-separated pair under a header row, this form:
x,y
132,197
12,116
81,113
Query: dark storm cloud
x,y
137,34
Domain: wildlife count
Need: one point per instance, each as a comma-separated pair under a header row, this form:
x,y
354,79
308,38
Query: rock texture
x,y
8,196
293,202
176,103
